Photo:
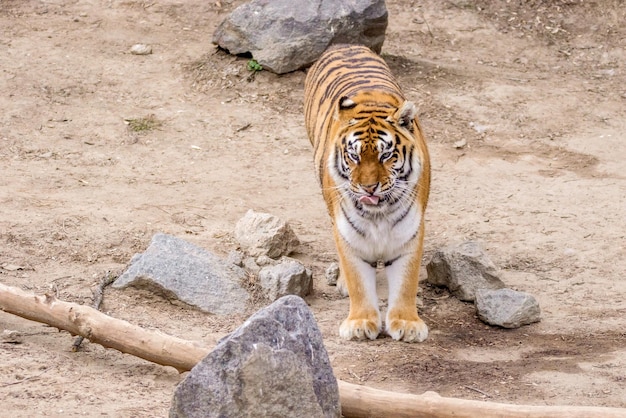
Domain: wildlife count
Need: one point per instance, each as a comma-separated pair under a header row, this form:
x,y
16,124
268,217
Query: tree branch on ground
x,y
356,400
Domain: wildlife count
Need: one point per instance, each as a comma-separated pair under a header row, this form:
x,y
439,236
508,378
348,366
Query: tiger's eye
x,y
353,156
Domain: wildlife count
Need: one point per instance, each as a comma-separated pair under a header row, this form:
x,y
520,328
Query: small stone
x,y
332,274
274,365
11,337
264,260
264,234
141,49
463,268
11,267
460,143
289,277
569,252
507,308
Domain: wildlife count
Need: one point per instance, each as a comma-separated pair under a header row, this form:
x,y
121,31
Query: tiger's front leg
x,y
359,279
402,321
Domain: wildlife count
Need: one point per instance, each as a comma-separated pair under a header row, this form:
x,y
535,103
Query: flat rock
x,y
463,268
178,269
274,365
507,308
263,234
287,35
289,277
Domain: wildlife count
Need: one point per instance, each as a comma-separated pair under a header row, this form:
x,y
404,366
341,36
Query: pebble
x,y
332,274
141,49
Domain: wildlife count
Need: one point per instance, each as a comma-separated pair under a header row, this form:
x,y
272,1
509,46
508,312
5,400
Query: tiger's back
x,y
374,169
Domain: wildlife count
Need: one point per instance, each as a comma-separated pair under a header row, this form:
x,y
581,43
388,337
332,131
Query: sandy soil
x,y
524,107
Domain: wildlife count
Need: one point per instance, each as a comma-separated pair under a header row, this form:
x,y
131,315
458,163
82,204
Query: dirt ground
x,y
524,107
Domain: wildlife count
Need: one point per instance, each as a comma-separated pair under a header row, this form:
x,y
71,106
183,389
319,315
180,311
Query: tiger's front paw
x,y
410,331
359,329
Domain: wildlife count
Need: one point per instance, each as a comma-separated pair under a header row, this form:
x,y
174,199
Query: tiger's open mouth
x,y
369,200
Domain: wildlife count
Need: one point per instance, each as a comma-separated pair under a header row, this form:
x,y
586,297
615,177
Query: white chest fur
x,y
381,238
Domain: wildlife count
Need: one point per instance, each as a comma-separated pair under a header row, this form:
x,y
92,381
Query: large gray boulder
x,y
180,270
274,365
286,35
507,308
463,268
261,234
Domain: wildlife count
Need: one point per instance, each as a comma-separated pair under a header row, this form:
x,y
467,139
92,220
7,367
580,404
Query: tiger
x,y
374,170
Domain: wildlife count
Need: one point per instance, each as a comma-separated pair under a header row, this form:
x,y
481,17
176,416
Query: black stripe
x,y
408,156
403,215
397,198
348,86
373,264
339,164
344,78
390,262
415,234
333,96
358,231
342,72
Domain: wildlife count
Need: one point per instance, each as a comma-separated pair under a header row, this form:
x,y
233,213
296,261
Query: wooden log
x,y
362,401
356,401
102,329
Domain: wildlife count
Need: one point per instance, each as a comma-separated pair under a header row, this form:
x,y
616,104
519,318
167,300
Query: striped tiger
x,y
374,170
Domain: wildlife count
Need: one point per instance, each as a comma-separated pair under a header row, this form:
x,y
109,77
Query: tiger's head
x,y
374,153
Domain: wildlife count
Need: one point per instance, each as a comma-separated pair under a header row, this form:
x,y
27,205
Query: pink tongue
x,y
369,200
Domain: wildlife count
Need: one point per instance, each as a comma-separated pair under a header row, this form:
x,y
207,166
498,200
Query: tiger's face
x,y
373,154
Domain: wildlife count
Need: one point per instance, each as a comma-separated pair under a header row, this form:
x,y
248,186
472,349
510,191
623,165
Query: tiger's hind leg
x,y
402,321
359,278
342,288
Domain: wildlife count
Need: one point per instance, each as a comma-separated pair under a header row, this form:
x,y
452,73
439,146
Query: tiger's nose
x,y
369,188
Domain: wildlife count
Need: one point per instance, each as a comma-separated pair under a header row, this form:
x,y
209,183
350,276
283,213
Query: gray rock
x,y
274,365
507,308
178,269
236,258
463,268
332,274
264,234
289,277
286,35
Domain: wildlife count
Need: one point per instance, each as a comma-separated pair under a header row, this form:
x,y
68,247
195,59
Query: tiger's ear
x,y
406,114
346,103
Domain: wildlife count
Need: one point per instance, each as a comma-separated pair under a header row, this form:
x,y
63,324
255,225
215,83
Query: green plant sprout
x,y
254,66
